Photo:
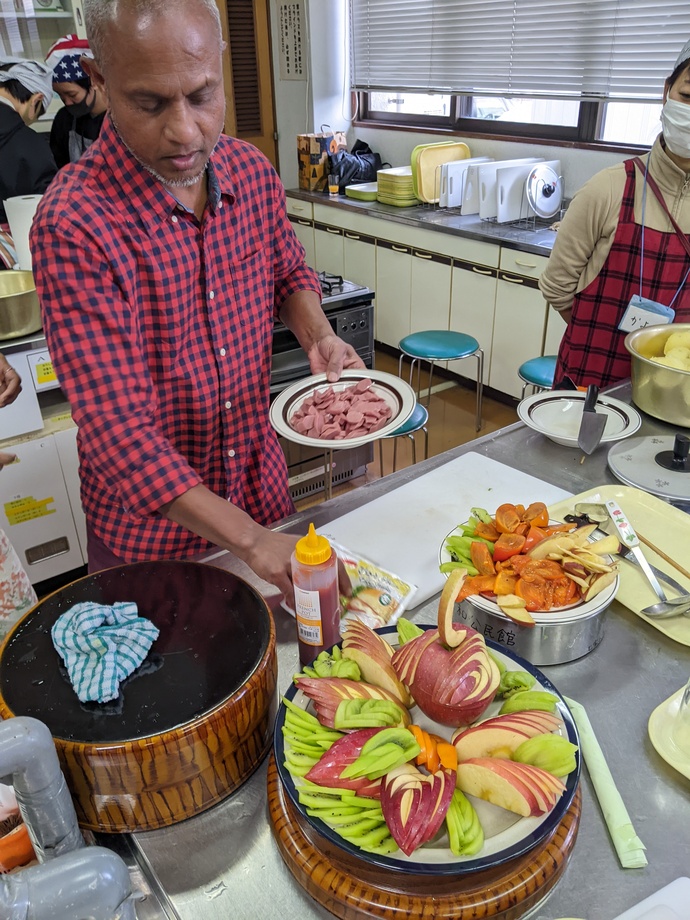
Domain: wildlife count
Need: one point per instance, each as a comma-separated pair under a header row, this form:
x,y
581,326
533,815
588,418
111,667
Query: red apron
x,y
592,349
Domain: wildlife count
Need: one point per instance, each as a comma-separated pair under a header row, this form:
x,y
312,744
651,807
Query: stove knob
x,y
362,323
344,327
353,325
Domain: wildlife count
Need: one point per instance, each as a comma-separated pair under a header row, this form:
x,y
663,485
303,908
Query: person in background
x,y
77,125
16,593
27,166
162,258
624,241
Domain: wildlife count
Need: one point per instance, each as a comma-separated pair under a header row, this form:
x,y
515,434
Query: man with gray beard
x,y
162,258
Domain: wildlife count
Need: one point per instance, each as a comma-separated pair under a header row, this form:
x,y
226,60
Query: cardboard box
x,y
313,151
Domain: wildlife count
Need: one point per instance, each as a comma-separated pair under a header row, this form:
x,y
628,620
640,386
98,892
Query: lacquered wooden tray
x,y
353,890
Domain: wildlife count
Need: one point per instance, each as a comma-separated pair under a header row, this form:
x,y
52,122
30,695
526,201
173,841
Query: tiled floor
x,y
451,422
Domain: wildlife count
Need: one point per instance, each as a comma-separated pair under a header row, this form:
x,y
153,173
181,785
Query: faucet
x,y
73,881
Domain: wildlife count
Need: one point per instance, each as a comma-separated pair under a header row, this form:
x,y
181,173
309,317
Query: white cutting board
x,y
511,192
670,903
453,180
403,531
486,180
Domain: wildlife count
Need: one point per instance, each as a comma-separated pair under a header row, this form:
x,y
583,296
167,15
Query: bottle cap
x,y
312,549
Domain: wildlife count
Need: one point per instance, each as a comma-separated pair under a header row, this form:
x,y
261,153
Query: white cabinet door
x,y
304,231
555,328
329,249
393,280
359,259
35,511
473,304
519,324
429,291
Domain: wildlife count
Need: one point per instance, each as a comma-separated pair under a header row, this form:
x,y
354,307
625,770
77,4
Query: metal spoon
x,y
674,608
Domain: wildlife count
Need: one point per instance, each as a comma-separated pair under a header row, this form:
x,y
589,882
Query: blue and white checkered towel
x,y
101,645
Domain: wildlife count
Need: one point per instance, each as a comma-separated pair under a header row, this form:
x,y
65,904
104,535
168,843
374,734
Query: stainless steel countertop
x,y
526,236
226,863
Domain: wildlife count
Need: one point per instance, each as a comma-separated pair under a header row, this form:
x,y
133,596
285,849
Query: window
x,y
576,70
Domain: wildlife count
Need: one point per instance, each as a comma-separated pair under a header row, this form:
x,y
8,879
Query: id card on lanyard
x,y
641,311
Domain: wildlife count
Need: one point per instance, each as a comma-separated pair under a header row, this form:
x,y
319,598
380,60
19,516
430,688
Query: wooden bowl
x,y
189,726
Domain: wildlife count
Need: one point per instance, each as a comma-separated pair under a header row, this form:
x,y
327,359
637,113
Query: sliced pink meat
x,y
330,414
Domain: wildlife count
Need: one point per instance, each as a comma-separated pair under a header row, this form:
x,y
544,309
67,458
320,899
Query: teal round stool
x,y
416,422
538,373
434,345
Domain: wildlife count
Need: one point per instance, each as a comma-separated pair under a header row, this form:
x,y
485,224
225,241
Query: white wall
x,y
323,98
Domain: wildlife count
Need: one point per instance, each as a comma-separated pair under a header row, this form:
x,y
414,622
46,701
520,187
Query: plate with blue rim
x,y
507,835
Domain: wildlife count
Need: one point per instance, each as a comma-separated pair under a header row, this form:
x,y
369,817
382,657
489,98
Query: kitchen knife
x,y
592,424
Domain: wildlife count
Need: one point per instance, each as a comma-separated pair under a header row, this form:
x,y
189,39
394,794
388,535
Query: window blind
x,y
621,50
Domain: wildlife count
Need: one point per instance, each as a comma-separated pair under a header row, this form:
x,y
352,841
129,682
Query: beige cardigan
x,y
586,234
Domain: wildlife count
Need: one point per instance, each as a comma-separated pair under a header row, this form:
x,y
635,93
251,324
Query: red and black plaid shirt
x,y
160,330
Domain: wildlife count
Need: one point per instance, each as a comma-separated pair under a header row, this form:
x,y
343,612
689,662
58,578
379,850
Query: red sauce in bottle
x,y
317,598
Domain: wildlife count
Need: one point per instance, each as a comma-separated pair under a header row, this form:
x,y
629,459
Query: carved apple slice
x,y
505,783
414,805
446,607
328,692
327,771
373,656
515,609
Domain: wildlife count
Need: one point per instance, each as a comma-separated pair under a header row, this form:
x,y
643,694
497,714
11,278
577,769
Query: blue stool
x,y
435,345
416,422
537,373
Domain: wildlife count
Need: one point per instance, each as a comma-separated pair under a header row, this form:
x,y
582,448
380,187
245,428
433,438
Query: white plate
x,y
659,728
548,617
507,835
669,903
557,415
398,394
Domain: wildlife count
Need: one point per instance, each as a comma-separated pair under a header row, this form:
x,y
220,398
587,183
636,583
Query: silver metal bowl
x,y
542,644
661,391
20,312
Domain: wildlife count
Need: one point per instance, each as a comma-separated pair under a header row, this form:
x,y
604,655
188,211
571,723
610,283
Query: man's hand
x,y
332,355
10,383
270,557
6,459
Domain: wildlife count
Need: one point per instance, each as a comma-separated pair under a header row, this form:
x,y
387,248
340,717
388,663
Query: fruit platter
x,y
427,751
528,568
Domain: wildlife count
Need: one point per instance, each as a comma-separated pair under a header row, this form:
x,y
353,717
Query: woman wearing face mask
x,y
78,124
26,163
621,258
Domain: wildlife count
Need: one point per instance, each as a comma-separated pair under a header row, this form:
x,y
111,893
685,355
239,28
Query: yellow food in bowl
x,y
676,352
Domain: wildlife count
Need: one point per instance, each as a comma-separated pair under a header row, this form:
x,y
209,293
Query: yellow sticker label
x,y
45,373
27,509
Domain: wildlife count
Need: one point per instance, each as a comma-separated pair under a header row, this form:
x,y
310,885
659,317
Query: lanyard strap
x,y
683,238
655,188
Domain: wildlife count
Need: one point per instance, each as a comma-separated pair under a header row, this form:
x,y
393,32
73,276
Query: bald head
x,y
104,16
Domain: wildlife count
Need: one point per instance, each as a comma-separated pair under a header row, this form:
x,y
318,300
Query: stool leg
x,y
414,449
479,354
524,387
329,474
431,376
381,456
395,454
401,360
426,442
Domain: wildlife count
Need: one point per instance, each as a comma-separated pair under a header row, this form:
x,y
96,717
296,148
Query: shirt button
x,y
222,351
220,205
231,453
228,404
174,218
211,294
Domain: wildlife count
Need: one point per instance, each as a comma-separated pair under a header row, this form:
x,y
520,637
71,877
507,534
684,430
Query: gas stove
x,y
336,292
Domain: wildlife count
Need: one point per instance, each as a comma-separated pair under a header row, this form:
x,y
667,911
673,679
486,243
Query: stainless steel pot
x,y
661,391
543,644
20,312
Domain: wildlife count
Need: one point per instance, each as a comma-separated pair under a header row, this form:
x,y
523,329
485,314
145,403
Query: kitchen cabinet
x,y
301,215
430,286
555,330
27,31
519,319
473,304
393,282
329,254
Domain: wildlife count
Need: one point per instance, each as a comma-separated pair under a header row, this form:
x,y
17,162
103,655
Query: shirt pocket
x,y
247,314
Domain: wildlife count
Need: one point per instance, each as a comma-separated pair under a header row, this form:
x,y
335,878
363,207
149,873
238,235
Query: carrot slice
x,y
448,755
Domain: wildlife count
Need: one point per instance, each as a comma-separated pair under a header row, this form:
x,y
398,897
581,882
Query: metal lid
x,y
635,463
544,189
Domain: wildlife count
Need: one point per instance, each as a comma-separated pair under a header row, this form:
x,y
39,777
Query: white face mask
x,y
675,123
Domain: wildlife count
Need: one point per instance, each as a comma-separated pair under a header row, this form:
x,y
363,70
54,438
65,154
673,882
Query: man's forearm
x,y
303,315
212,517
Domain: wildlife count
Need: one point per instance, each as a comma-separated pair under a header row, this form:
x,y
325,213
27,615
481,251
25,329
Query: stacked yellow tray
x,y
394,186
426,161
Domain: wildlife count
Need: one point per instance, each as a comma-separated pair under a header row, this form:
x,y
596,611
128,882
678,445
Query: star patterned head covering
x,y
64,58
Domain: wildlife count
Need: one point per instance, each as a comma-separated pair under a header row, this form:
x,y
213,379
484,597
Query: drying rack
x,y
530,220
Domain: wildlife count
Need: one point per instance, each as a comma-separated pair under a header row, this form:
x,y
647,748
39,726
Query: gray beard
x,y
168,183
